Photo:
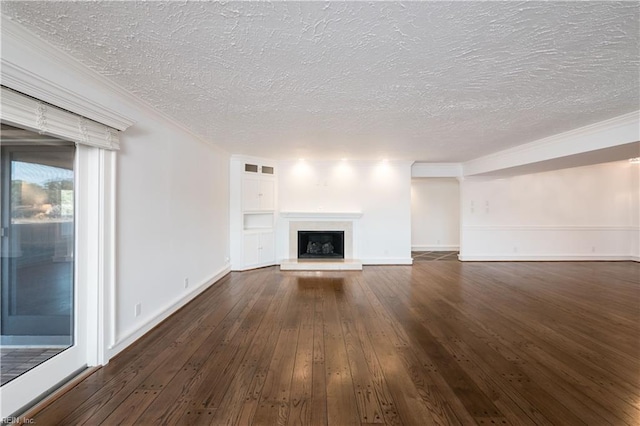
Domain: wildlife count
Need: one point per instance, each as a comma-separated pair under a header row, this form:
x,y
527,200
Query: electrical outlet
x,y
186,282
138,309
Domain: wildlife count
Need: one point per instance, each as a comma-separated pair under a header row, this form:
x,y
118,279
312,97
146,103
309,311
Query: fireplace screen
x,y
320,244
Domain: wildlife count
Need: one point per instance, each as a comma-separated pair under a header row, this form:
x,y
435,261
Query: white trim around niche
x,y
319,220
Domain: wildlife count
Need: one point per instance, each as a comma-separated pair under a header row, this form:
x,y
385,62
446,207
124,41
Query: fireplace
x,y
343,227
320,244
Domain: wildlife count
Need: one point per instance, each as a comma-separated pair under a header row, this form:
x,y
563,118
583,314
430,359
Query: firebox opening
x,y
320,244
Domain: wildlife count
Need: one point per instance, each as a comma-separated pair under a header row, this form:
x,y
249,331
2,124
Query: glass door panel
x,y
37,264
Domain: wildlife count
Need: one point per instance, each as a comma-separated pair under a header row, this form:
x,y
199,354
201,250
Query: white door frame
x,y
23,69
94,284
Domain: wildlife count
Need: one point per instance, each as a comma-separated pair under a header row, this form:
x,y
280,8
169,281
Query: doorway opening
x,y
435,219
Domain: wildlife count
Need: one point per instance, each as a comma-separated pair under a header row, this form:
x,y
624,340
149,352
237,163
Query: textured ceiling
x,y
430,81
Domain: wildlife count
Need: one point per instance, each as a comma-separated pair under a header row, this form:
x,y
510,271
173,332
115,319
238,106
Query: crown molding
x,y
609,133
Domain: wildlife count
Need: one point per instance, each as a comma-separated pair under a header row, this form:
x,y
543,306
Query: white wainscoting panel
x,y
547,243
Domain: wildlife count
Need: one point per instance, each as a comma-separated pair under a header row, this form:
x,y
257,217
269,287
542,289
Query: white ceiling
x,y
425,81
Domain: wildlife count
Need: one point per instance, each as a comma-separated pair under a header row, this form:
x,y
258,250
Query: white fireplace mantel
x,y
322,221
321,215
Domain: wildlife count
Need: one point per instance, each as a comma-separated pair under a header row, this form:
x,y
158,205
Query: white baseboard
x,y
388,261
133,335
435,248
635,258
541,258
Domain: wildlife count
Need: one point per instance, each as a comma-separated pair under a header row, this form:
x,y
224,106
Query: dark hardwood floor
x,y
436,343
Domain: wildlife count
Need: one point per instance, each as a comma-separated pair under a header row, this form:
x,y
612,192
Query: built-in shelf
x,y
252,212
257,221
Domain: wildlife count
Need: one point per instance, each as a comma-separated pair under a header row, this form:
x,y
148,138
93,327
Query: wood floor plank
x,y
301,380
572,407
136,402
585,404
494,385
379,385
253,394
439,342
318,404
127,365
176,395
275,393
439,398
342,407
407,404
236,394
446,362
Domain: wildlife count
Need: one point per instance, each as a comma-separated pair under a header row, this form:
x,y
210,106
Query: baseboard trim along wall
x,y
544,258
162,314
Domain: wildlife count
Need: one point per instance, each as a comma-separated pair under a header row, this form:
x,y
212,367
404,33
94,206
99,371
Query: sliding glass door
x,y
40,339
57,223
37,245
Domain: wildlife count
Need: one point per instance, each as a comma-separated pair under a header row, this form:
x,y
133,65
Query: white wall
x,y
580,213
435,214
172,215
173,222
380,190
